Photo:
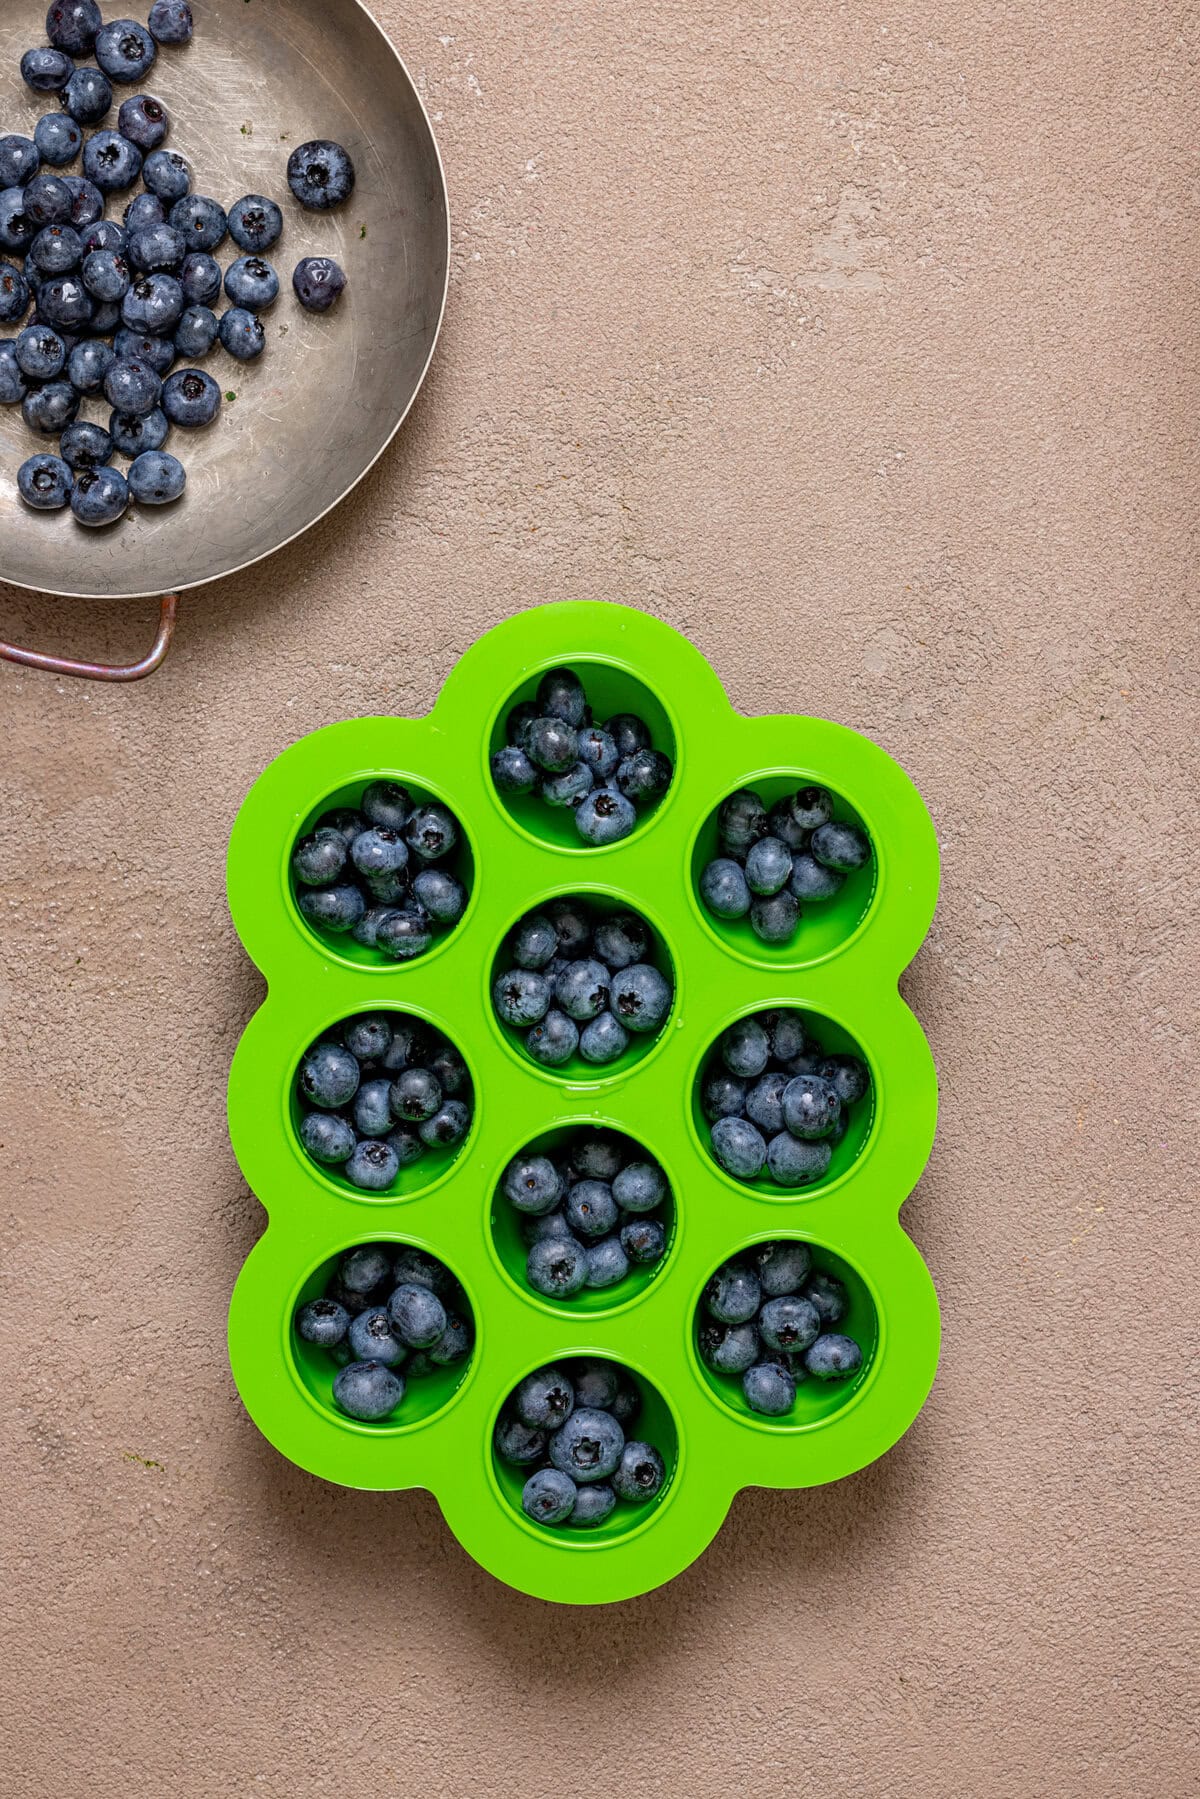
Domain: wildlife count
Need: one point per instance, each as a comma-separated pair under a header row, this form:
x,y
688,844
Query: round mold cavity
x,y
341,945
825,926
655,1424
611,687
425,1396
601,903
817,1401
417,1177
511,1248
835,1041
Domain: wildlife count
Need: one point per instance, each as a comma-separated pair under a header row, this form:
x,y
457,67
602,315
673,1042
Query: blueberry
x,y
48,201
326,1137
100,496
323,1322
739,1147
133,436
590,1209
196,332
598,1155
520,997
143,346
86,446
404,933
454,1344
733,1294
144,121
418,1316
644,776
533,941
811,1106
45,483
40,353
451,1071
768,865
386,803
431,832
828,1295
603,1040
46,71
329,1076
567,789
640,997
448,1126
572,926
252,282
545,1399
58,138
833,1357
729,1348
105,320
405,1145
87,203
191,398
443,897
553,1040
598,751
379,850
794,1162
789,1323
372,1107
154,305
581,990
548,1497
167,175
811,807
639,1187
770,1388
811,881
515,1442
132,386
71,25
781,1267
156,249
143,213
364,1269
639,1474
745,1048
111,162
557,1267
722,1095
414,1095
605,816
532,1184
551,744
643,1240
781,824
88,96
319,283
723,888
170,21
588,1445
849,1076
49,410
512,771
774,918
106,274
842,847
64,303
88,364
368,1390
593,1505
255,223
13,384
560,694
415,1267
373,1166
125,50
764,1102
320,175
621,939
741,821
595,1381
371,1338
629,733
200,222
17,229
19,162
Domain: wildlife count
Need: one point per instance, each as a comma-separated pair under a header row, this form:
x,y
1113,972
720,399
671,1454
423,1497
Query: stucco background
x,y
861,345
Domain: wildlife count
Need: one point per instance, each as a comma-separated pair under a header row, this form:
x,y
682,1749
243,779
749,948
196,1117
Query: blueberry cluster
x,y
389,1314
379,1093
768,1316
601,773
774,1098
773,863
374,870
117,305
590,1211
567,1425
579,981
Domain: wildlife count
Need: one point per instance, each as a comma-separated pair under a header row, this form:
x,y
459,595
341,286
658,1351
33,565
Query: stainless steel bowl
x,y
302,425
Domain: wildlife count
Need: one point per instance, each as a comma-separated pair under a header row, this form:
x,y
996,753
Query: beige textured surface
x,y
862,346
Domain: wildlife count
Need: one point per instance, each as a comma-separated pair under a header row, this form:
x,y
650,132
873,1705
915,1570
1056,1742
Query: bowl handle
x,y
105,671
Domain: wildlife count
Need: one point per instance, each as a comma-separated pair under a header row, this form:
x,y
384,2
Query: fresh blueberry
x,y
518,717
191,398
764,1102
323,1322
364,1269
100,496
252,282
572,925
143,213
639,1474
448,1126
17,229
733,1294
620,939
640,998
532,1184
581,990
71,25
723,888
781,824
144,121
828,1295
587,1445
88,364
14,294
643,1240
596,1382
833,1357
134,436
770,1388
768,865
454,1344
87,202
329,1076
603,1040
848,1075
88,96
811,807
739,1147
512,771
106,317
19,161
46,71
443,897
729,1348
13,384
200,222
415,1095
404,934
644,776
605,816
86,446
515,1442
41,353
320,175
373,1166
629,733
371,1338
417,1315
387,803
171,21
255,223
319,283
597,751
379,850
545,1399
48,201
50,409
415,1267
841,846
789,1323
811,881
153,305
156,249
567,789
125,50
520,997
58,138
368,1390
111,161
775,917
200,278
557,1267
795,1162
196,332
639,1187
551,744
326,1137
741,821
811,1107
372,1109
745,1048
593,1505
64,303
560,694
590,1209
553,1040
722,1095
132,386
105,274
781,1267
167,175
598,1156
144,346
548,1497
533,941
451,1071
45,482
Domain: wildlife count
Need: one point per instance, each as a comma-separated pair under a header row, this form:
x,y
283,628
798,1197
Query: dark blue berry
x,y
125,50
545,1399
587,1446
639,1187
85,445
841,846
242,334
87,202
643,1240
603,1040
144,121
368,1390
597,749
789,1323
156,249
88,96
796,1162
154,305
46,71
781,1266
255,223
88,364
372,1340
549,1496
13,384
100,496
200,278
14,294
132,386
329,1076
811,881
252,282
741,821
593,1505
733,1294
811,807
774,918
404,933
448,1126
58,138
326,1137
191,398
143,213
415,1095
417,1315
156,479
319,283
106,274
532,1184
605,816
629,732
71,25
770,1388
644,776
50,409
520,996
828,1295
19,161
134,436
512,771
143,346
320,175
166,175
373,1166
17,229
639,1474
45,482
811,1107
768,865
590,1209
723,888
739,1147
64,303
833,1357
557,1267
729,1348
515,1442
171,21
553,1040
111,161
567,789
323,1322
441,894
640,998
196,332
48,201
41,353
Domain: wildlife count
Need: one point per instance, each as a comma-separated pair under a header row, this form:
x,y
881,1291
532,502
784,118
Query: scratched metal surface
x,y
321,404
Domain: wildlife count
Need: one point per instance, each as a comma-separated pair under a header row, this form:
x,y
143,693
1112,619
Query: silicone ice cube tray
x,y
842,967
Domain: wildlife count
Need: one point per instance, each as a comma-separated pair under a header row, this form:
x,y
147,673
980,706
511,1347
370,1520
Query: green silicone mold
x,y
842,967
